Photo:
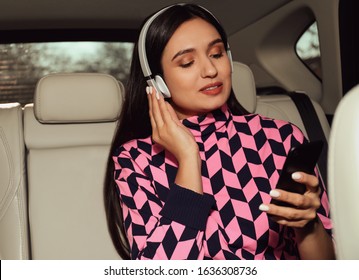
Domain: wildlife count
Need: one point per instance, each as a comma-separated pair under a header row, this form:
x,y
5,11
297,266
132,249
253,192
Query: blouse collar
x,y
208,123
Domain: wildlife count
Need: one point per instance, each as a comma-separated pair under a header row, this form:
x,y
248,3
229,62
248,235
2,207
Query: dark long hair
x,y
134,122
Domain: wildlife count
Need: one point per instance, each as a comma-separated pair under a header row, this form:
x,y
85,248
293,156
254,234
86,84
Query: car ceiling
x,y
119,14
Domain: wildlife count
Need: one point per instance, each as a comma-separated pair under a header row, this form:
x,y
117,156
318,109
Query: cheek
x,y
229,82
226,69
228,77
180,83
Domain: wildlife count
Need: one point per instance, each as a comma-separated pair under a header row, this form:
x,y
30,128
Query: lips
x,y
212,89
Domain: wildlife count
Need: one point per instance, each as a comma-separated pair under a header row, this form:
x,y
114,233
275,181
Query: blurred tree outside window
x,y
308,49
23,64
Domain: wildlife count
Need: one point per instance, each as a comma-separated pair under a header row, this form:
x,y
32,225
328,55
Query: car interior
x,y
54,143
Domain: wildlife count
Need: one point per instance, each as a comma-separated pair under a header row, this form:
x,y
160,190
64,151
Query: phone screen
x,y
301,158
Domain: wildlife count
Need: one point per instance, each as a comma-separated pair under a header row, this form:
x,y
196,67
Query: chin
x,y
216,103
210,108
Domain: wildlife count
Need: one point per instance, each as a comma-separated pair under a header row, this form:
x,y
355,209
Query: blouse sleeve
x,y
157,229
324,210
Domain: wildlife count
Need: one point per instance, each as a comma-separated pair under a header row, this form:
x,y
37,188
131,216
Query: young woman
x,y
192,177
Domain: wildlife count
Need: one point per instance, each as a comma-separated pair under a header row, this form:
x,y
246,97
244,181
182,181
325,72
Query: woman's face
x,y
196,69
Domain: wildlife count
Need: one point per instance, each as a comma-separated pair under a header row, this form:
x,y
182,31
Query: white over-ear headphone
x,y
157,82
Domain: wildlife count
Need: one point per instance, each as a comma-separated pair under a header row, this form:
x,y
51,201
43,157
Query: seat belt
x,y
313,127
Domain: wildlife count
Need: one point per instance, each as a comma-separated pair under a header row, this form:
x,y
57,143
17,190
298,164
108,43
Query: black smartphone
x,y
301,158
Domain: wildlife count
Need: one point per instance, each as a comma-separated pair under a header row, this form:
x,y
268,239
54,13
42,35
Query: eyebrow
x,y
182,52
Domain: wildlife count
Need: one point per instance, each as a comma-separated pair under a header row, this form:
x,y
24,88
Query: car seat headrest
x,y
78,98
244,86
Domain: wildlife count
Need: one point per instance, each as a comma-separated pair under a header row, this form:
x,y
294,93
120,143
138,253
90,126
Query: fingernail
x,y
274,193
296,176
263,207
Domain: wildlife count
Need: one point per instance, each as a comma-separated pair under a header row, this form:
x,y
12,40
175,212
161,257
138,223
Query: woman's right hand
x,y
167,130
170,133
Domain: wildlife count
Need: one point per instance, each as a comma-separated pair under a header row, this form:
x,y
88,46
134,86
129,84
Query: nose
x,y
209,69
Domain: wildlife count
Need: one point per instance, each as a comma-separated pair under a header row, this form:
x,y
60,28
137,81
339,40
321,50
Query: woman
x,y
192,177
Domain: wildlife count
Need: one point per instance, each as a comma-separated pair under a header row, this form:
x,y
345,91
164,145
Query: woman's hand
x,y
304,208
170,133
167,130
312,240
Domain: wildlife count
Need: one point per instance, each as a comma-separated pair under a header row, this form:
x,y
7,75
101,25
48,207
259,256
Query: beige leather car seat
x,y
68,132
244,87
274,106
343,175
281,106
14,241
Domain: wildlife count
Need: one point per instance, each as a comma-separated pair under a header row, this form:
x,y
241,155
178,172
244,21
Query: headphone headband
x,y
142,42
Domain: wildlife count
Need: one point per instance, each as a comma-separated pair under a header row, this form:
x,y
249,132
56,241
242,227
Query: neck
x,y
209,122
186,114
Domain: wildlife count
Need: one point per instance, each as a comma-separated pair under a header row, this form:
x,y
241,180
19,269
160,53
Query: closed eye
x,y
186,65
217,55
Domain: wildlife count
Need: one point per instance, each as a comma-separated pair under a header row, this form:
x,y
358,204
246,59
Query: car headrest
x,y
78,98
244,86
343,177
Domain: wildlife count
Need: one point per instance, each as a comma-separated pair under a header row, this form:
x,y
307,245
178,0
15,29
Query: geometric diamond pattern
x,y
242,157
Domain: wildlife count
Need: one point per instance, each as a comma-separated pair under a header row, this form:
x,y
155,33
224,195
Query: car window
x,y
23,64
308,49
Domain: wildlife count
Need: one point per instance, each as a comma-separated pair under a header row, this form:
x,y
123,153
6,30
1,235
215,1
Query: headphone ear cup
x,y
162,86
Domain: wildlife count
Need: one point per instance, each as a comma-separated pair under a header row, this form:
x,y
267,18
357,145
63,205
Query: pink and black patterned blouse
x,y
242,157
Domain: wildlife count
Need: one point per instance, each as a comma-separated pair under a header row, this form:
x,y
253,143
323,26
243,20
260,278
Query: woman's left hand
x,y
304,208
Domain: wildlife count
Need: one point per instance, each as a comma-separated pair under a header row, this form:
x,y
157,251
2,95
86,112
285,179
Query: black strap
x,y
313,127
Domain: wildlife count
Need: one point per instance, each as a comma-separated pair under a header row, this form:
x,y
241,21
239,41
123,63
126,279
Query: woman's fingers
x,y
164,119
168,131
173,114
304,206
289,216
155,108
310,199
149,97
159,108
292,223
290,213
310,181
167,117
297,200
